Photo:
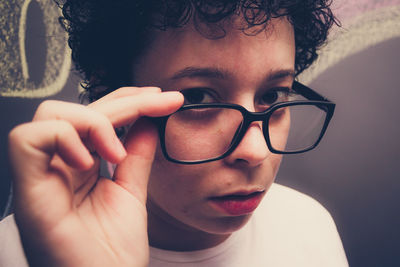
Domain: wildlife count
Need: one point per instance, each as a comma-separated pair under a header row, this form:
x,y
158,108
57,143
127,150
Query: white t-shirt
x,y
287,229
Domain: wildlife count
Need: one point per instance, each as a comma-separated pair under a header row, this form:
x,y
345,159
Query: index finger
x,y
126,110
124,92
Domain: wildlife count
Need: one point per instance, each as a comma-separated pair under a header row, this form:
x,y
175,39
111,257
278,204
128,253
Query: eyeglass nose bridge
x,y
248,118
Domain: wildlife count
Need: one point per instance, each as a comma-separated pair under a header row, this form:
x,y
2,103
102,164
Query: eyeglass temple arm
x,y
308,92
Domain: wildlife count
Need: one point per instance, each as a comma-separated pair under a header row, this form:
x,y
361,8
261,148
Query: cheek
x,y
178,191
172,183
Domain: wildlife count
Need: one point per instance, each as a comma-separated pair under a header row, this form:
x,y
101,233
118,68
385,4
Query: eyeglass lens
x,y
197,134
200,134
301,129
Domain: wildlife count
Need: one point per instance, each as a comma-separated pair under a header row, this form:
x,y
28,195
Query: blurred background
x,y
355,171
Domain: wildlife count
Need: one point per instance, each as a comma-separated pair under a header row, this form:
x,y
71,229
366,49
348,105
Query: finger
x,y
39,152
31,143
133,172
93,127
126,110
96,124
125,91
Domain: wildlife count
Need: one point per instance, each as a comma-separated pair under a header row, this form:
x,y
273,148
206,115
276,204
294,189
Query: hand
x,y
66,214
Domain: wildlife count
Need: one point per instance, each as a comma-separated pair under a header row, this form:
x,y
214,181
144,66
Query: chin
x,y
226,225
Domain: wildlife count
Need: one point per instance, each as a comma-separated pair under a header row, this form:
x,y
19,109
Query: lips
x,y
238,203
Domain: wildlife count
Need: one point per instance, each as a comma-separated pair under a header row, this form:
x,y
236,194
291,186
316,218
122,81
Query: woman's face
x,y
214,199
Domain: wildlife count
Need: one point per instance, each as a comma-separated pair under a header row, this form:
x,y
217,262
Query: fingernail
x,y
120,149
172,95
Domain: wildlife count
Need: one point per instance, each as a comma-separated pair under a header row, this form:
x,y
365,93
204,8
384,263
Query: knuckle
x,y
64,128
45,108
100,122
17,133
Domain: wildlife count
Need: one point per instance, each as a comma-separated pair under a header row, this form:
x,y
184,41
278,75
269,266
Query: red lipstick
x,y
238,203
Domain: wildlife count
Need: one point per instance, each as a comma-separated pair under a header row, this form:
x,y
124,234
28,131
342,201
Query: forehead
x,y
237,52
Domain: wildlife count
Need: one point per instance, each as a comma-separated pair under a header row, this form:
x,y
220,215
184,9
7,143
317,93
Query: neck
x,y
166,232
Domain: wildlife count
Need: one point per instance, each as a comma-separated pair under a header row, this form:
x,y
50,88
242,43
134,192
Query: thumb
x,y
133,172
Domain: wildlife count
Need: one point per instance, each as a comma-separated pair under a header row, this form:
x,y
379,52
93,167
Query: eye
x,y
275,95
198,96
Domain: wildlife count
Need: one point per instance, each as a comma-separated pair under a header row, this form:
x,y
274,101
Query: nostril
x,y
241,161
252,149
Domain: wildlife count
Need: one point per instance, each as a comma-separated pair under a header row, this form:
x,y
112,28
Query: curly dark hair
x,y
106,36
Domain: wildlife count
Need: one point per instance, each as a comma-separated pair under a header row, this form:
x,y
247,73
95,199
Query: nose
x,y
252,149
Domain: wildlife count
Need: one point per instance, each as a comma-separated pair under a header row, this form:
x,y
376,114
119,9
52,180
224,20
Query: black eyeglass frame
x,y
313,97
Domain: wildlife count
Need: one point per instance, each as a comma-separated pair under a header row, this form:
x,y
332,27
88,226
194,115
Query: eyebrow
x,y
216,73
195,72
281,74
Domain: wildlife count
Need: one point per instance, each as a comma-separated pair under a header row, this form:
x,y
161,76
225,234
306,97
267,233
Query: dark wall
x,y
14,111
44,52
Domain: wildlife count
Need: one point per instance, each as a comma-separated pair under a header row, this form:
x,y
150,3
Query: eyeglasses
x,y
199,133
